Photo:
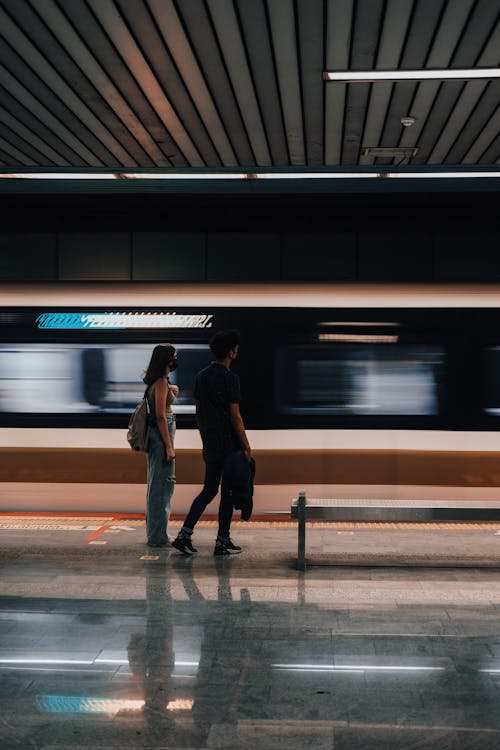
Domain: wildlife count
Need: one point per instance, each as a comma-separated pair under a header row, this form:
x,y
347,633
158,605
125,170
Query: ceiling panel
x,y
222,83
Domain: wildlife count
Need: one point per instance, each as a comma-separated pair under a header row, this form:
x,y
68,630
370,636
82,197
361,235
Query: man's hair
x,y
223,342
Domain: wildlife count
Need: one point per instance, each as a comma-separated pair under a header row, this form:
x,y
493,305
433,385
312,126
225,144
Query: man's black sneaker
x,y
183,544
226,547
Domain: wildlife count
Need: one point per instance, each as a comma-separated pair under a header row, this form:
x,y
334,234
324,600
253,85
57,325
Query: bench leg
x,y
301,514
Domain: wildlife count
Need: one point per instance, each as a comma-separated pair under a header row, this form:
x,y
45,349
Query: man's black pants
x,y
213,474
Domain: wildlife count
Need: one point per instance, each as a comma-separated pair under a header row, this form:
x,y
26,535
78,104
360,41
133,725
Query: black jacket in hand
x,y
237,482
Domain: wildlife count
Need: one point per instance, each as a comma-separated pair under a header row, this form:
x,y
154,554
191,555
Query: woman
x,y
161,454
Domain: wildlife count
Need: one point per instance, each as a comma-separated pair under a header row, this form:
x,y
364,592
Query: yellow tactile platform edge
x,y
55,522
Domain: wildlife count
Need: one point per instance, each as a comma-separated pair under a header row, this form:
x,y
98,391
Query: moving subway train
x,y
355,392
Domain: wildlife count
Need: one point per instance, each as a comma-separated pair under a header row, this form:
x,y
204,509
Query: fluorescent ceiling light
x,y
184,176
438,175
368,76
312,175
151,176
58,176
123,176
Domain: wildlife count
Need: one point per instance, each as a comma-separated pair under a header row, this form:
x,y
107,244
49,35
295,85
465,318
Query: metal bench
x,y
314,509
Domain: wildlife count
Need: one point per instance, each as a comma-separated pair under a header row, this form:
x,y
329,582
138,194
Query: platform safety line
x,y
120,516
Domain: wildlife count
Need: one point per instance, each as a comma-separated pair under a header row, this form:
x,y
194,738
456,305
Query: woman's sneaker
x,y
226,547
183,544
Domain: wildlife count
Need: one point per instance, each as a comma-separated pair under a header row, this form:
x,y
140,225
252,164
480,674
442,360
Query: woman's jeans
x,y
161,484
213,474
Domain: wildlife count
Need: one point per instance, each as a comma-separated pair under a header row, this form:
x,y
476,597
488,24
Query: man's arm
x,y
239,428
198,416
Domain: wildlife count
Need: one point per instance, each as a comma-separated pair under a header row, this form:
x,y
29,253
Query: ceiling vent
x,y
390,153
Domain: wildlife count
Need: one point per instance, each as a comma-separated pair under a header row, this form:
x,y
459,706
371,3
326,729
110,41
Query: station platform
x,y
108,644
274,539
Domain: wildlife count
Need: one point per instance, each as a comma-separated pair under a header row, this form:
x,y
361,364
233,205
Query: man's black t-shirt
x,y
215,388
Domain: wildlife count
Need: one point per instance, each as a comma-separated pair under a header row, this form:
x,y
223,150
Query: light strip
x,y
123,176
367,76
44,661
151,176
360,338
313,175
440,175
185,176
353,668
360,324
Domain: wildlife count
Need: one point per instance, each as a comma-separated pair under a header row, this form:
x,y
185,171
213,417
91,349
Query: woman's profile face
x,y
172,365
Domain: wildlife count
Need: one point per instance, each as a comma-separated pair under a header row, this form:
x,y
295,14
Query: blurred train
x,y
348,391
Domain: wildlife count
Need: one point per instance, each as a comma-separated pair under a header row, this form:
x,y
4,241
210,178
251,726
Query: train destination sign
x,y
121,320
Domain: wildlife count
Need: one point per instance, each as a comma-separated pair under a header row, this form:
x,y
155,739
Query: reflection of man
x,y
151,655
217,393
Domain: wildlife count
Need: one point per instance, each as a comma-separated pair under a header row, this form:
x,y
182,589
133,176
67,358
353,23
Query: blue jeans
x,y
161,484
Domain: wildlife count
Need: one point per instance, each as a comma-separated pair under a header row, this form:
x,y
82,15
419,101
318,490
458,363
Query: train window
x,y
88,378
491,383
358,379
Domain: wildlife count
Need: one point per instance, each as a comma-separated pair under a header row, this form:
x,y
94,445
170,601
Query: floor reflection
x,y
214,653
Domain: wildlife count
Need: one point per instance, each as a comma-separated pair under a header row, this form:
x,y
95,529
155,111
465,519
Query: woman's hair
x,y
161,357
223,342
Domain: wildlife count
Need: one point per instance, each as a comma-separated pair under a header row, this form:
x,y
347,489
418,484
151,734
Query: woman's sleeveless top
x,y
152,402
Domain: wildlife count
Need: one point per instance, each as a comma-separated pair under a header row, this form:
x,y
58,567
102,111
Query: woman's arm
x,y
161,388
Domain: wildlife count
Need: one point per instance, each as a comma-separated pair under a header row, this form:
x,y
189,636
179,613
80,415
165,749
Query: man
x,y
217,394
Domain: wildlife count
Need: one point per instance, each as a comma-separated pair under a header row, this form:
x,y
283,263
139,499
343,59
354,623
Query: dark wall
x,y
370,238
250,256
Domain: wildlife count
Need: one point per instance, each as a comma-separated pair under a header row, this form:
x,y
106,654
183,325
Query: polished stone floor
x,y
107,647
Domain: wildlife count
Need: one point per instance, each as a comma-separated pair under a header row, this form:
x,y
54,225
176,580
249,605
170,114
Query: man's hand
x,y
170,454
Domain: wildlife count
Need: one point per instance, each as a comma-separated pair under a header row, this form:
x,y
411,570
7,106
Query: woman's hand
x,y
170,454
175,390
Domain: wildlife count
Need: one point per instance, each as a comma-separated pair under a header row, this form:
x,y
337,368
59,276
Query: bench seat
x,y
315,509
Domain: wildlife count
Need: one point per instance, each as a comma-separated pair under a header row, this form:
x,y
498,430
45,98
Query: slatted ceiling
x,y
311,39
49,61
36,97
368,20
9,124
256,32
430,94
24,146
205,46
152,45
487,143
453,94
493,151
110,105
233,51
284,36
170,26
338,43
478,99
463,128
193,83
390,49
155,140
422,28
184,151
14,153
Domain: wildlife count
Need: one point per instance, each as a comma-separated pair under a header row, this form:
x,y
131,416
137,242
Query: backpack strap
x,y
145,397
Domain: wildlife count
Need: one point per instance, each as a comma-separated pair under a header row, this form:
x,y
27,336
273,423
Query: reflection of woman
x,y
161,454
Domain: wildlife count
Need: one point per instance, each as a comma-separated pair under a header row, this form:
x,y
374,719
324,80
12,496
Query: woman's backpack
x,y
139,425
